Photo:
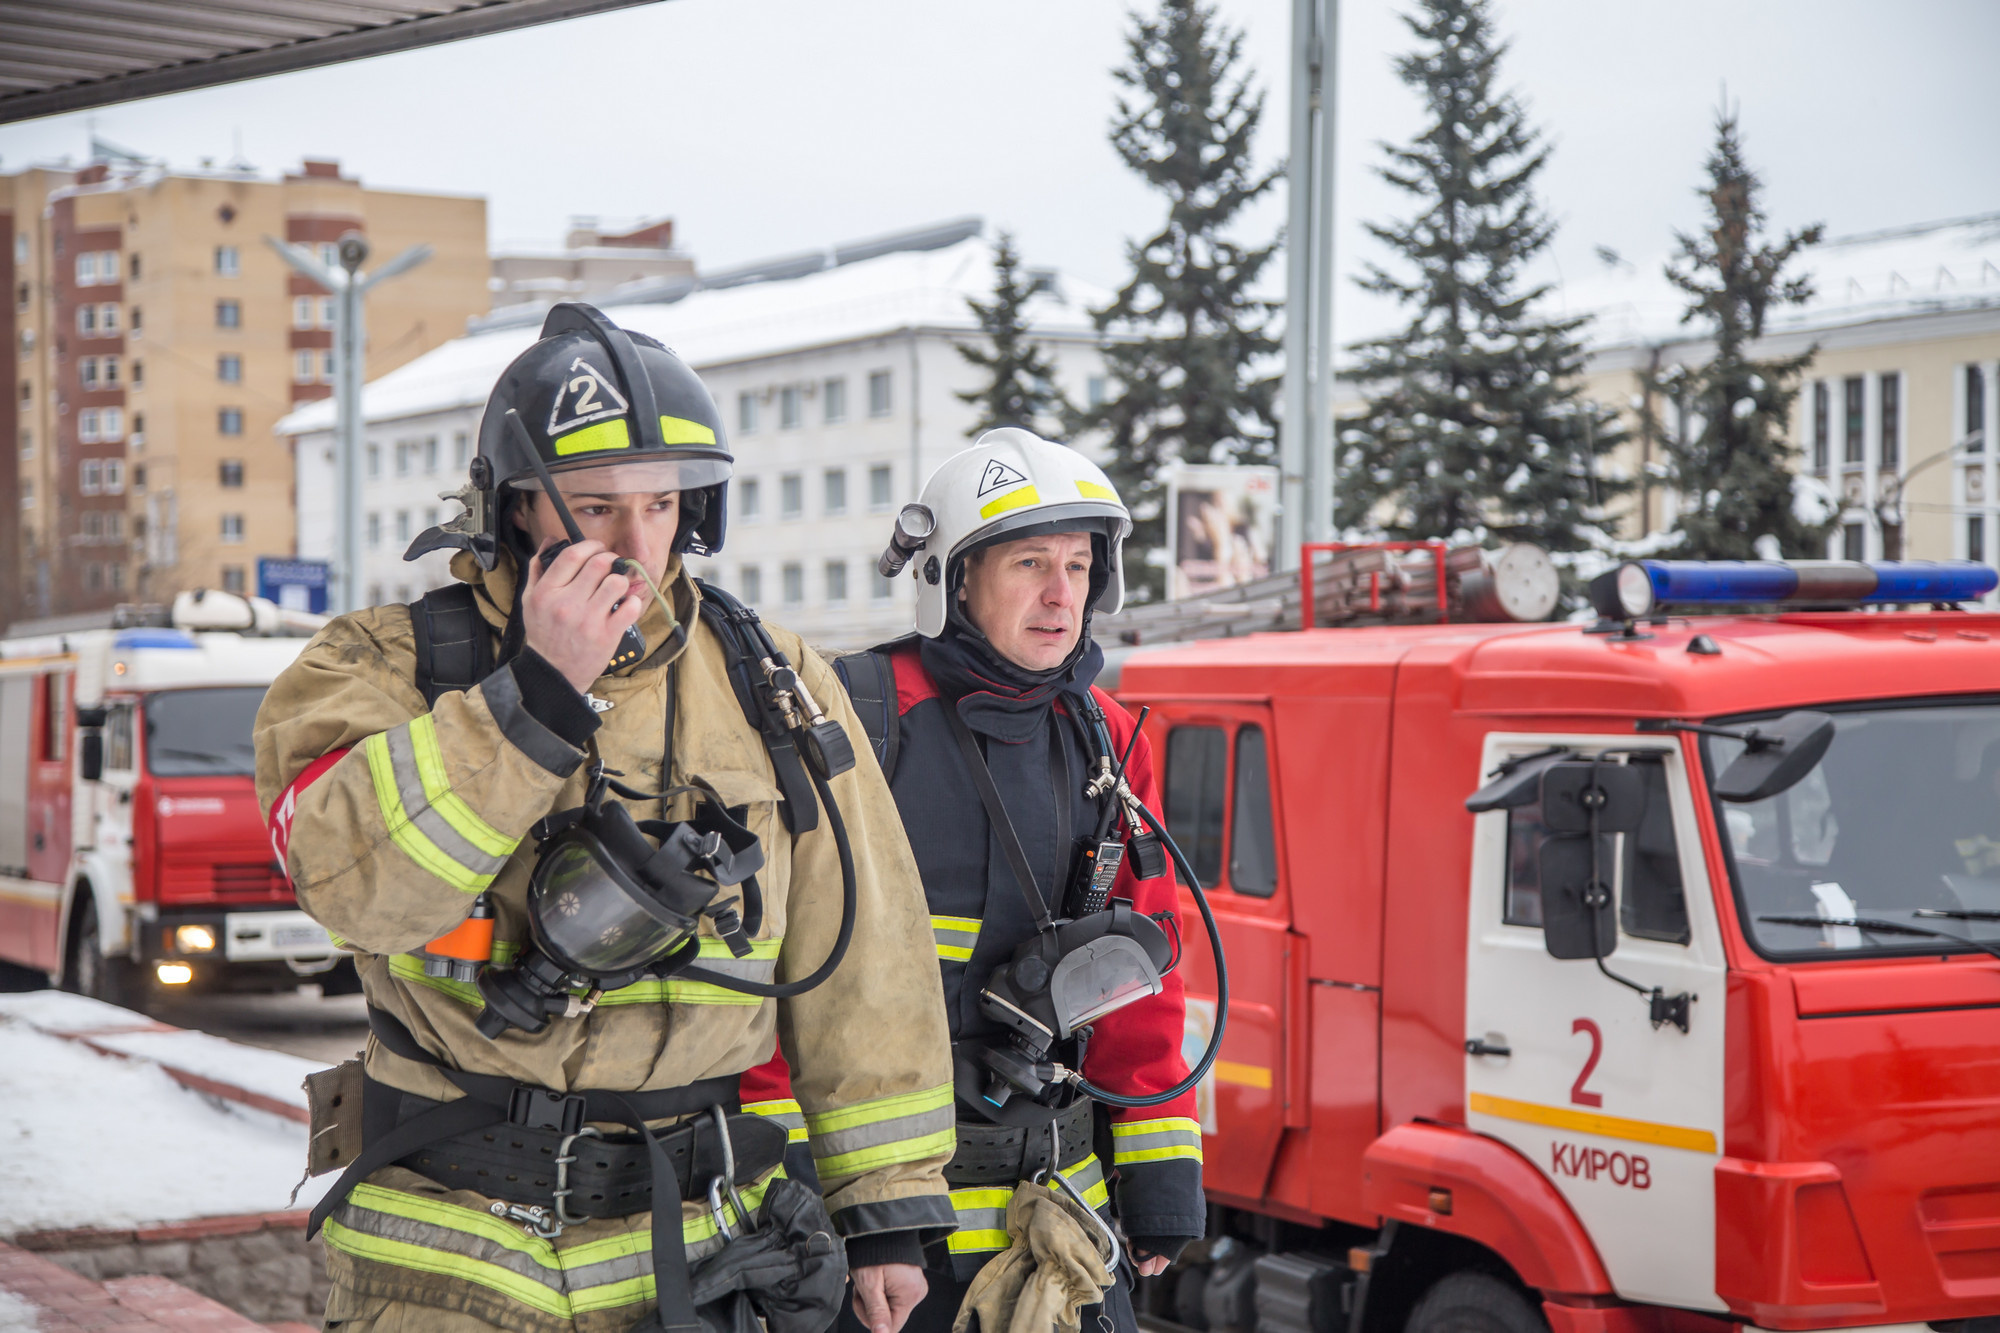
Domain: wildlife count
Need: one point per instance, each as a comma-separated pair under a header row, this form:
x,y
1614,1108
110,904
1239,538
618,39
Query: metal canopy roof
x,y
73,54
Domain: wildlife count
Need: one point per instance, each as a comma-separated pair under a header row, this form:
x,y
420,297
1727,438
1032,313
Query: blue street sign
x,y
296,585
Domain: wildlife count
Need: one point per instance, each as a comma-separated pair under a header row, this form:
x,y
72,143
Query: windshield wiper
x,y
1875,926
1959,913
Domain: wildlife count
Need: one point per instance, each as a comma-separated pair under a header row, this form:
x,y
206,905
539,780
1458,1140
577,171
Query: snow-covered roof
x,y
1928,268
865,298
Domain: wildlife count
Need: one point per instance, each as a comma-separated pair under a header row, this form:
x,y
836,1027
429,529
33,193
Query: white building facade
x,y
838,391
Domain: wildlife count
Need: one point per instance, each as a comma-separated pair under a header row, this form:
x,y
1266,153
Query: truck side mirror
x,y
90,755
1776,756
1574,791
1578,920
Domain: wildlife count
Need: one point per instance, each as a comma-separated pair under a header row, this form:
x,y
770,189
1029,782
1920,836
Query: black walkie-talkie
x,y
632,644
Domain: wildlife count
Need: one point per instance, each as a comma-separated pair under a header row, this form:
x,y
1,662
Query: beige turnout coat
x,y
424,807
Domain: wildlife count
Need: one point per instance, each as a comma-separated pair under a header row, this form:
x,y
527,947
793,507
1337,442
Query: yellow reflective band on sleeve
x,y
437,787
413,838
1090,490
1014,499
883,1132
982,1220
760,965
1155,1140
612,434
679,430
956,936
408,967
784,1111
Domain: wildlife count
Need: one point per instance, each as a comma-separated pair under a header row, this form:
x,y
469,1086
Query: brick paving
x,y
64,1302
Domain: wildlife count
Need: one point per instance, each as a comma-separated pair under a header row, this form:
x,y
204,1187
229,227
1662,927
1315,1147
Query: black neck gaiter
x,y
997,697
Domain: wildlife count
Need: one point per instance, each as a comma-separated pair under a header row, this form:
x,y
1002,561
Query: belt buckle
x,y
544,1108
564,1160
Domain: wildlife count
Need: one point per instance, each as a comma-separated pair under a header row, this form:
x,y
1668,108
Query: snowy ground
x,y
95,1140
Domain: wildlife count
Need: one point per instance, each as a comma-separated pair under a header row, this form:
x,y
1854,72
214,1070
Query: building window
x,y
227,262
110,364
138,374
228,314
879,401
375,533
139,488
86,269
229,420
27,346
138,426
833,396
795,583
431,455
27,494
374,460
403,451
232,529
791,495
791,406
835,487
749,499
302,367
229,368
117,576
135,266
231,473
93,577
326,366
1975,406
86,372
111,424
137,321
746,414
836,583
880,587
27,444
402,525
86,425
750,583
86,321
1853,392
327,309
1975,538
232,579
114,526
460,447
329,254
114,476
302,312
1854,542
1889,457
880,484
1095,391
107,319
89,477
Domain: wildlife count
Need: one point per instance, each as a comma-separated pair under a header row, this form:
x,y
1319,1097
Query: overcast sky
x,y
770,126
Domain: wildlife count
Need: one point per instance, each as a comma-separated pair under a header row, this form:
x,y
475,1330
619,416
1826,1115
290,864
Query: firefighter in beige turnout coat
x,y
393,815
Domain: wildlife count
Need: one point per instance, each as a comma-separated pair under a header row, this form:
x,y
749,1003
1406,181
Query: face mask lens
x,y
1108,973
588,920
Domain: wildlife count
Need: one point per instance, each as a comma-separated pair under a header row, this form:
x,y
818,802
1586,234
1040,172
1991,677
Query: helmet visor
x,y
638,476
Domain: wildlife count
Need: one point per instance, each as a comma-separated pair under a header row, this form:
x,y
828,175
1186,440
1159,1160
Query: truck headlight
x,y
194,939
174,974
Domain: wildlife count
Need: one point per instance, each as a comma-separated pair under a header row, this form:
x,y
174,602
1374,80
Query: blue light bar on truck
x,y
1640,587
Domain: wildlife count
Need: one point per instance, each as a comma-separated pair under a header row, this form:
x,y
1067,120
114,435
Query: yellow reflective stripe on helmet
x,y
782,1111
679,430
1155,1140
1090,490
1014,499
403,826
612,434
883,1131
437,787
956,936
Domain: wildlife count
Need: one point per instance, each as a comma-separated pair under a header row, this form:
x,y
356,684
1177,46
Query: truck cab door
x,y
1622,1114
1218,775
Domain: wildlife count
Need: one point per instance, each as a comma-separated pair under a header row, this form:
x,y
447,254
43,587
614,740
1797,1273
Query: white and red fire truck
x,y
132,852
1716,1048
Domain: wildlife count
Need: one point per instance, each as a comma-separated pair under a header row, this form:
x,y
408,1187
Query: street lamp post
x,y
1889,504
350,285
1305,449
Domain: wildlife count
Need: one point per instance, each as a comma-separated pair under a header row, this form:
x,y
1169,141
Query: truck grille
x,y
233,881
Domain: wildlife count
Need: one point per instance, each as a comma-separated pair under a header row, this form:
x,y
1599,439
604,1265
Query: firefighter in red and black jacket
x,y
1025,545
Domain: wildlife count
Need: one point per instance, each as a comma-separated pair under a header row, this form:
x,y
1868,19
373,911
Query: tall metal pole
x,y
1306,444
349,428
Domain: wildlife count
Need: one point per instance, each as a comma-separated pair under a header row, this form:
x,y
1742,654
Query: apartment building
x,y
160,339
1896,415
837,381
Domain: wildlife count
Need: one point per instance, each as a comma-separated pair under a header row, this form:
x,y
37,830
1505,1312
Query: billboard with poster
x,y
1221,522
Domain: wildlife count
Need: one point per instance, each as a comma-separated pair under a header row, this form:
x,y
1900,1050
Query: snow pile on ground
x,y
16,1315
94,1140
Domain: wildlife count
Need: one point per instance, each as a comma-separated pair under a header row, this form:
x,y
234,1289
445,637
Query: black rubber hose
x,y
784,990
1201,1068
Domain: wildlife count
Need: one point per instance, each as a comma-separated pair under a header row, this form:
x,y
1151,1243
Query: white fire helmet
x,y
1012,483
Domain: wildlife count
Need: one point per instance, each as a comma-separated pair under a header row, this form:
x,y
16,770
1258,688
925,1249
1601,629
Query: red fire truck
x,y
132,853
1630,976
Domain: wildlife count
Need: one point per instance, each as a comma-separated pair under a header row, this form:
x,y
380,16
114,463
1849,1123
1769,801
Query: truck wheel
x,y
89,971
1475,1303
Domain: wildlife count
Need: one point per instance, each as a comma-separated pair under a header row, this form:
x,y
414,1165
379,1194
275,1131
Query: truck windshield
x,y
1898,824
202,733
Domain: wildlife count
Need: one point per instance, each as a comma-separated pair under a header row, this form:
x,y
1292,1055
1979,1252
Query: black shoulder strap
x,y
734,624
454,642
870,679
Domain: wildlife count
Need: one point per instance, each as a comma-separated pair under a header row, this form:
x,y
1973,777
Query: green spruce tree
x,y
1188,349
1726,445
1475,425
1020,378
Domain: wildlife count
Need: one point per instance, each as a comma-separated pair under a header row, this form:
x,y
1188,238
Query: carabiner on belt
x,y
726,1182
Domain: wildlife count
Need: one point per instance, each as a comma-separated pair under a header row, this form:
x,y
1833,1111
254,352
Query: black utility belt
x,y
593,1174
990,1154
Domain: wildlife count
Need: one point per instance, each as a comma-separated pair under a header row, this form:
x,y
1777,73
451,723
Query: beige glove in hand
x,y
1053,1266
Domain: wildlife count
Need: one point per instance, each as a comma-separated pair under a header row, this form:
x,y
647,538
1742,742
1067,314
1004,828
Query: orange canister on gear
x,y
458,954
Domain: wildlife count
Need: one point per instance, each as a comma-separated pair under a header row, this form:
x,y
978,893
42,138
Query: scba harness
x,y
609,906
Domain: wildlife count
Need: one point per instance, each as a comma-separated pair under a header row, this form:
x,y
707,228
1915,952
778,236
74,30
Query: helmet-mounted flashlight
x,y
914,526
